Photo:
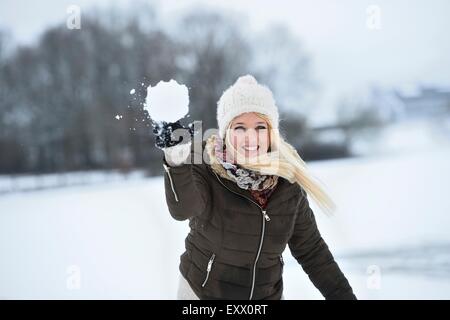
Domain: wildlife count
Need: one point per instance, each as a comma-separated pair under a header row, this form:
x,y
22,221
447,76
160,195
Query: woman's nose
x,y
251,137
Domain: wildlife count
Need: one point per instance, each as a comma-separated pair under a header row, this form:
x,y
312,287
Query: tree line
x,y
65,101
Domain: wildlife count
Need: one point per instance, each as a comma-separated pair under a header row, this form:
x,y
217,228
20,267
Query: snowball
x,y
167,101
132,91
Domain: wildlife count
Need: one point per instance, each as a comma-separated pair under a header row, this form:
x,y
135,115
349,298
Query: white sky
x,y
412,45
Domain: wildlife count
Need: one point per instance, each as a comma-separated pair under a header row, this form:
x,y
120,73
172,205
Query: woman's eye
x,y
243,128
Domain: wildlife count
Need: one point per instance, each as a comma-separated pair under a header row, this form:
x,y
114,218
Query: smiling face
x,y
249,134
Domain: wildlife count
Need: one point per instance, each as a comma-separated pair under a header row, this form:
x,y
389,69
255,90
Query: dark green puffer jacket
x,y
234,248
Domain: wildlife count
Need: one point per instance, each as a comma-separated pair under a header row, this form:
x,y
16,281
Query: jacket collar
x,y
283,190
283,187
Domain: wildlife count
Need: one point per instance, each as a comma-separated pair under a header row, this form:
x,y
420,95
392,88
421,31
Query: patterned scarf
x,y
260,186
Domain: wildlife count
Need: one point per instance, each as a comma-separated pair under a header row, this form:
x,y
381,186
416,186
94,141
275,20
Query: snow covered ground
x,y
116,239
20,183
418,134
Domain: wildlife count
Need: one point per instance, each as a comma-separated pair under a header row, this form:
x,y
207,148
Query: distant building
x,y
401,121
425,102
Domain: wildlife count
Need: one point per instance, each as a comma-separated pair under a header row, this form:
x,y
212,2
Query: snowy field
x,y
116,239
15,183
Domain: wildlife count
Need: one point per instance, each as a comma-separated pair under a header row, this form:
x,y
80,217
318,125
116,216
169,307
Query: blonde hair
x,y
283,160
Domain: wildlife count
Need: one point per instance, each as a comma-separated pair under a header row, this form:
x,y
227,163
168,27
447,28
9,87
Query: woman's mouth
x,y
250,148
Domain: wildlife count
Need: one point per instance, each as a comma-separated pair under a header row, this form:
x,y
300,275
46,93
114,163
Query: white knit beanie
x,y
245,95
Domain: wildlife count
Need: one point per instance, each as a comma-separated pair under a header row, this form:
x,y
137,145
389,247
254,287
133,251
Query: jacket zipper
x,y
281,260
171,182
265,218
208,269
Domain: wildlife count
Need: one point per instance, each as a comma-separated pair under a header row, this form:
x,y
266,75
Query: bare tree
x,y
213,53
282,63
59,98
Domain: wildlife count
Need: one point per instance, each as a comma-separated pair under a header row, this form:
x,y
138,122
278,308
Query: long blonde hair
x,y
283,160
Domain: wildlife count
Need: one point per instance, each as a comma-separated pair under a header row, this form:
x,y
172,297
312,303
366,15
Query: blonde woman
x,y
246,200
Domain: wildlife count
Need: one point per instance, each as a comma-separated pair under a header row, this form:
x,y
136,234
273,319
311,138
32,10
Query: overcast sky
x,y
411,47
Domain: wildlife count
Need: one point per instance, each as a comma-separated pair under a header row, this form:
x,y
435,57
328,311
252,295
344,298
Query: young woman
x,y
245,202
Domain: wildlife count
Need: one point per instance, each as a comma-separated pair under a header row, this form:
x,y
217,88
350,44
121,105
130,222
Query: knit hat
x,y
245,95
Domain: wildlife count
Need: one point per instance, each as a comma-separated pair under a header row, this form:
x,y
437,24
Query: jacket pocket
x,y
281,262
167,169
208,269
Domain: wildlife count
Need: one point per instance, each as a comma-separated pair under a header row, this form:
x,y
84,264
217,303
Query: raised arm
x,y
186,187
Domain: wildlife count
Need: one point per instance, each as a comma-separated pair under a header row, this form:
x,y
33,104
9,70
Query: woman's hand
x,y
169,134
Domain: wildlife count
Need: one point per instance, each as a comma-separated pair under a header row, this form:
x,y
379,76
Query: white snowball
x,y
167,101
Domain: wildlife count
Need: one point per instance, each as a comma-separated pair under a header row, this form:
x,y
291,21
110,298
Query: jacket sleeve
x,y
312,253
186,188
